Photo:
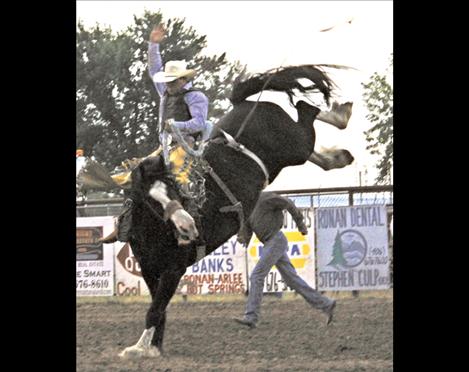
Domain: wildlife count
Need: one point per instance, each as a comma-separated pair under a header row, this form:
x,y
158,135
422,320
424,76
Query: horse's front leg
x,y
174,211
150,343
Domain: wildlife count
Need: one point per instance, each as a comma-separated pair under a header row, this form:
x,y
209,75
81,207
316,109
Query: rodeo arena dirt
x,y
200,334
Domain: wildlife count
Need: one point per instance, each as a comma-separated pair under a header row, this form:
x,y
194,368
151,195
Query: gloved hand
x,y
168,125
303,229
157,34
244,240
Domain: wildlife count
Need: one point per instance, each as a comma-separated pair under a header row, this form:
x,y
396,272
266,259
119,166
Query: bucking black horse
x,y
248,148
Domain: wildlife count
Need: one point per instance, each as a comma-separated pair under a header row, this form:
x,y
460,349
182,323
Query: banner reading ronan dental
x,y
222,271
300,252
95,261
352,248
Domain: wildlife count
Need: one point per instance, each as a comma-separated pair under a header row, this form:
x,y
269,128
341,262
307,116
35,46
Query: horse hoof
x,y
133,352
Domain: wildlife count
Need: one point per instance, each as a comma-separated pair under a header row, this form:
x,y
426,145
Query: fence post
x,y
350,202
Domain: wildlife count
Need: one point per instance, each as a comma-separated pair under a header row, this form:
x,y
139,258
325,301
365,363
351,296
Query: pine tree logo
x,y
337,253
349,250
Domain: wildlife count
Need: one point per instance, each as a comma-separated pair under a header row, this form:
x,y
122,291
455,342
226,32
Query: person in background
x,y
266,222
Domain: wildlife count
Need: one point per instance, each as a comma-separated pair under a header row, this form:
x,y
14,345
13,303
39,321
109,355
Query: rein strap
x,y
241,148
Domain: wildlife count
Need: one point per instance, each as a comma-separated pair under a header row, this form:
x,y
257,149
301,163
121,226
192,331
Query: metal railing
x,y
325,197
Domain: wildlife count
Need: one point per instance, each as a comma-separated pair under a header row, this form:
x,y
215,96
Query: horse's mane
x,y
283,79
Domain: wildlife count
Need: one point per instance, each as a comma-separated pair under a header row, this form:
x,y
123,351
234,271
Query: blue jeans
x,y
275,253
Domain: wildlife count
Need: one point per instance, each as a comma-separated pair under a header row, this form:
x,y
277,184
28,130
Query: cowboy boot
x,y
338,116
111,238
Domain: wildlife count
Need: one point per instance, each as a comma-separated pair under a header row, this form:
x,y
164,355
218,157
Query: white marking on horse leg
x,y
338,116
145,338
331,158
319,161
183,221
143,347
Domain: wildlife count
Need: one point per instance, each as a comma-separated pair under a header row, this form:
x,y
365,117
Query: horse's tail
x,y
284,79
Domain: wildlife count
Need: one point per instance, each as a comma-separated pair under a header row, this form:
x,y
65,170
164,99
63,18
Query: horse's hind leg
x,y
331,158
338,116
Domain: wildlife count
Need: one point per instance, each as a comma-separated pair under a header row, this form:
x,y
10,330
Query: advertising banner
x,y
300,252
129,280
222,271
94,260
352,248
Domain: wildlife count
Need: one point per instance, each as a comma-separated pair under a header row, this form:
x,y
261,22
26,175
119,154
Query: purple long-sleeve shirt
x,y
196,101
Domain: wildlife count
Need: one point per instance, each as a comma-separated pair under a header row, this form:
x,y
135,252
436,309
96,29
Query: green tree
x,y
378,97
337,255
116,102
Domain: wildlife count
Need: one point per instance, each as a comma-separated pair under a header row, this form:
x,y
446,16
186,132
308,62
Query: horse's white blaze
x,y
183,221
143,347
158,192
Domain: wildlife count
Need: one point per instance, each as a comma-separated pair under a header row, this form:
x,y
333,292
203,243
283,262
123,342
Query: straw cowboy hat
x,y
173,70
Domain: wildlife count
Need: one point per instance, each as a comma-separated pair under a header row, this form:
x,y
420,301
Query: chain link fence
x,y
330,197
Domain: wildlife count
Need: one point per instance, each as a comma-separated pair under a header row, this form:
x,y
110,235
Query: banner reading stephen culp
x,y
352,248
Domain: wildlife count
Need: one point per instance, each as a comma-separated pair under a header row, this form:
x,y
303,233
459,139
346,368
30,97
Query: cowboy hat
x,y
173,70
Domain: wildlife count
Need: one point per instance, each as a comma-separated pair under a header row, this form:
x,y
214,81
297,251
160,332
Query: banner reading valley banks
x,y
352,248
222,271
300,252
95,267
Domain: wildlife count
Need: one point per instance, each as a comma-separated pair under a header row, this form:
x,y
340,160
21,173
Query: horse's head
x,y
155,191
149,171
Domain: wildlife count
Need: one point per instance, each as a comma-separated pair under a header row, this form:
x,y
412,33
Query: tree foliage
x,y
378,97
116,102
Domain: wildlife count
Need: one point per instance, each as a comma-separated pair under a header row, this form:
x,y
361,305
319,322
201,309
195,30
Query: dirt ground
x,y
201,336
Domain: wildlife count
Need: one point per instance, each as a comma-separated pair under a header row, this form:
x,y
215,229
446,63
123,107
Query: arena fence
x,y
325,197
306,199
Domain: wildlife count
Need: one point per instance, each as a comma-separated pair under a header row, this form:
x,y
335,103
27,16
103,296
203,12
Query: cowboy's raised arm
x,y
155,62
